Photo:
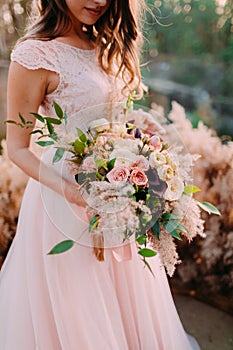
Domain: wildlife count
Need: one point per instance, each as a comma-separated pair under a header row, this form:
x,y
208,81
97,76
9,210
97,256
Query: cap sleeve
x,y
36,54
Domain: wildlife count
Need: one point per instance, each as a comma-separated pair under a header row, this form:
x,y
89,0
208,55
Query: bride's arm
x,y
26,91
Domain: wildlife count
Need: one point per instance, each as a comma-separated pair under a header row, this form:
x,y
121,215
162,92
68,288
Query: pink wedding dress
x,y
72,301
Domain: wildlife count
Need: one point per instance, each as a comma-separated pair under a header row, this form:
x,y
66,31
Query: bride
x,y
79,53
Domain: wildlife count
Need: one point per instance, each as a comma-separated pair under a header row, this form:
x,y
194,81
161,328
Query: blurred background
x,y
187,57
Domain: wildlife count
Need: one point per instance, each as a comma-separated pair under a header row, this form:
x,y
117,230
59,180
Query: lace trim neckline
x,y
73,47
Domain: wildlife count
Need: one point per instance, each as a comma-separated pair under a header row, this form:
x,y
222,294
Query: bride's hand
x,y
73,195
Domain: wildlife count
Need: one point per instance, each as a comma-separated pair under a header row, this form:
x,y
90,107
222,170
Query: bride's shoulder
x,y
35,54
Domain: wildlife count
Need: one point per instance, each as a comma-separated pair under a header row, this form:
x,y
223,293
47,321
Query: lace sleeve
x,y
35,54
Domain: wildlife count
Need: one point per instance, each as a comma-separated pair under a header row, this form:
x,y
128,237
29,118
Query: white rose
x,y
174,190
123,156
165,172
128,144
157,159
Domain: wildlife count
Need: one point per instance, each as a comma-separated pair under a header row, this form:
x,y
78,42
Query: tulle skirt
x,y
72,301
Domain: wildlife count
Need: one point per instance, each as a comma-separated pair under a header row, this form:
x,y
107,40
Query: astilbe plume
x,y
213,173
12,185
166,248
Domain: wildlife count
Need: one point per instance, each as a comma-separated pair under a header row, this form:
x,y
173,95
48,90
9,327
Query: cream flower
x,y
165,172
123,156
131,145
99,125
174,190
157,159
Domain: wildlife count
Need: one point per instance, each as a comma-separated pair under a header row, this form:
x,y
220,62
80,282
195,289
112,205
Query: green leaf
x,y
174,225
148,265
79,146
37,131
45,143
38,116
61,247
189,189
169,216
141,239
13,122
93,222
100,163
111,164
50,127
22,119
58,110
210,208
146,252
81,135
53,120
175,234
156,229
99,176
65,117
58,155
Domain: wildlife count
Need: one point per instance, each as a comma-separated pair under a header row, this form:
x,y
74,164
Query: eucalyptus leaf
x,y
49,127
174,225
22,119
148,266
81,135
61,247
13,122
58,155
44,143
169,216
37,131
58,110
38,117
189,189
65,117
210,208
156,229
175,234
53,120
146,252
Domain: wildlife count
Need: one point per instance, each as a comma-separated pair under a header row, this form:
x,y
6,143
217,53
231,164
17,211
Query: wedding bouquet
x,y
137,186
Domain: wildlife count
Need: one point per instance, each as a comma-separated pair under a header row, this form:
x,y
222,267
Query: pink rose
x,y
119,173
155,143
138,177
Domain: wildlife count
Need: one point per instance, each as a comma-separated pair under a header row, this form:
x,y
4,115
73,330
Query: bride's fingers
x,y
73,195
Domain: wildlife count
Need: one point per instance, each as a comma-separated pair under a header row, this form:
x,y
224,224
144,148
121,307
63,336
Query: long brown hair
x,y
117,35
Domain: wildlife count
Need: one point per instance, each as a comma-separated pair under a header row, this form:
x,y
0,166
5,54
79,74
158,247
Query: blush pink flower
x,y
155,143
138,177
119,173
140,162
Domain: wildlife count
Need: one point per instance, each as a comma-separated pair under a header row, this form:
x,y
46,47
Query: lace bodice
x,y
82,83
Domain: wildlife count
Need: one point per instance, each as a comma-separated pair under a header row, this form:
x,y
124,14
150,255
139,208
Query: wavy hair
x,y
117,35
